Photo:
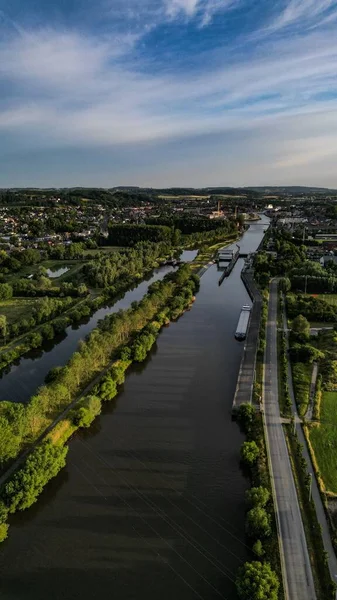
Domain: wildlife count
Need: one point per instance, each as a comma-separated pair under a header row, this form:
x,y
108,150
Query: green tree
x,y
89,408
108,388
257,496
257,581
3,326
301,328
258,523
23,489
285,285
6,291
258,549
3,531
249,452
246,415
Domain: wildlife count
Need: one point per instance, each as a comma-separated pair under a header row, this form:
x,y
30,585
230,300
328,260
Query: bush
x,y
246,415
258,549
249,452
258,523
28,482
258,496
257,581
87,411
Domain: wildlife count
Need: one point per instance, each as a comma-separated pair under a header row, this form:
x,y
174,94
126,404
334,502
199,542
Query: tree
x,y
6,291
258,523
246,415
249,452
285,285
22,490
257,496
257,581
258,549
108,388
3,326
301,328
88,410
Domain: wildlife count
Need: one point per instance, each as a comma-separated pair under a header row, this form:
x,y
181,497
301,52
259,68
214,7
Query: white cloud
x,y
72,89
174,7
301,12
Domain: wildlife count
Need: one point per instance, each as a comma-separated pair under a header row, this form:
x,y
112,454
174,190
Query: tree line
x,y
129,335
22,424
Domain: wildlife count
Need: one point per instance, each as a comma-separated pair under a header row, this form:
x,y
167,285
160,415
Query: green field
x,y
302,379
323,438
17,308
329,298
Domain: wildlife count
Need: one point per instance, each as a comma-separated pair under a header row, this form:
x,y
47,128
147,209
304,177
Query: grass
x,y
17,308
313,534
205,255
323,438
329,298
302,373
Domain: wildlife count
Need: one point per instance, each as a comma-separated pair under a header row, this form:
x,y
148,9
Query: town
x,y
94,283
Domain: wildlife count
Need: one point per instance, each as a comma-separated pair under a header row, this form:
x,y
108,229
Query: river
x,y
151,502
29,372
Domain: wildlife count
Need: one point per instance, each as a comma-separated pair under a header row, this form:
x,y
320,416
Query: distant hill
x,y
291,189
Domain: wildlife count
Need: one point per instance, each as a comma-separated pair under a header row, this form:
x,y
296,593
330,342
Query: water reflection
x,y
153,501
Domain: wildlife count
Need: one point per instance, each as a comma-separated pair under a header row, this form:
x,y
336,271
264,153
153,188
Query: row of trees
x,y
107,269
313,309
257,580
130,234
16,420
117,273
92,357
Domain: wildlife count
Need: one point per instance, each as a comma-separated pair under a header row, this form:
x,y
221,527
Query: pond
x,y
57,271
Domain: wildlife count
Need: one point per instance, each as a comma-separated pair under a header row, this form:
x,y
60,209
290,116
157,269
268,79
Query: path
x,y
320,512
296,567
312,391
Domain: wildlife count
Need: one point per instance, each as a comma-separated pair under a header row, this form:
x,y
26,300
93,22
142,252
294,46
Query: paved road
x,y
298,579
315,491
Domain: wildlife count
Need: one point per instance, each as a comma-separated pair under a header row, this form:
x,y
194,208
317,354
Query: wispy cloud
x,y
301,12
64,87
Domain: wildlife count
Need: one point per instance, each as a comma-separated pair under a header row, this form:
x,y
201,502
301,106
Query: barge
x,y
243,324
226,260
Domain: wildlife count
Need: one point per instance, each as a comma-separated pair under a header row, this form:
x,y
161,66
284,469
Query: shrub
x,y
87,411
28,482
249,452
257,581
258,523
257,496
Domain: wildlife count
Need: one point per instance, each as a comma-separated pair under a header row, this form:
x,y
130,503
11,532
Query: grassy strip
x,y
207,253
259,471
21,426
22,489
73,315
302,373
325,588
323,439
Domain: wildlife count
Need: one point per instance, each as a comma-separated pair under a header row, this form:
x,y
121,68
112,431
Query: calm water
x,y
57,272
22,380
151,503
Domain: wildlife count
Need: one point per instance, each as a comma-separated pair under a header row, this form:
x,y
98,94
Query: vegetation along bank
x,y
92,376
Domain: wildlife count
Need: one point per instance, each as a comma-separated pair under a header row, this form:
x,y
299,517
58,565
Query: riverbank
x,y
151,497
170,298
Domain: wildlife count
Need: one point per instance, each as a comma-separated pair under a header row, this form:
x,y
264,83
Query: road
x,y
297,573
316,496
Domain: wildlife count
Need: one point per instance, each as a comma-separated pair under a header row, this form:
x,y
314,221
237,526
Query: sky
x,y
161,93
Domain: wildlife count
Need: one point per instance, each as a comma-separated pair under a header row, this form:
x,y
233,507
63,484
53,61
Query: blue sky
x,y
168,92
